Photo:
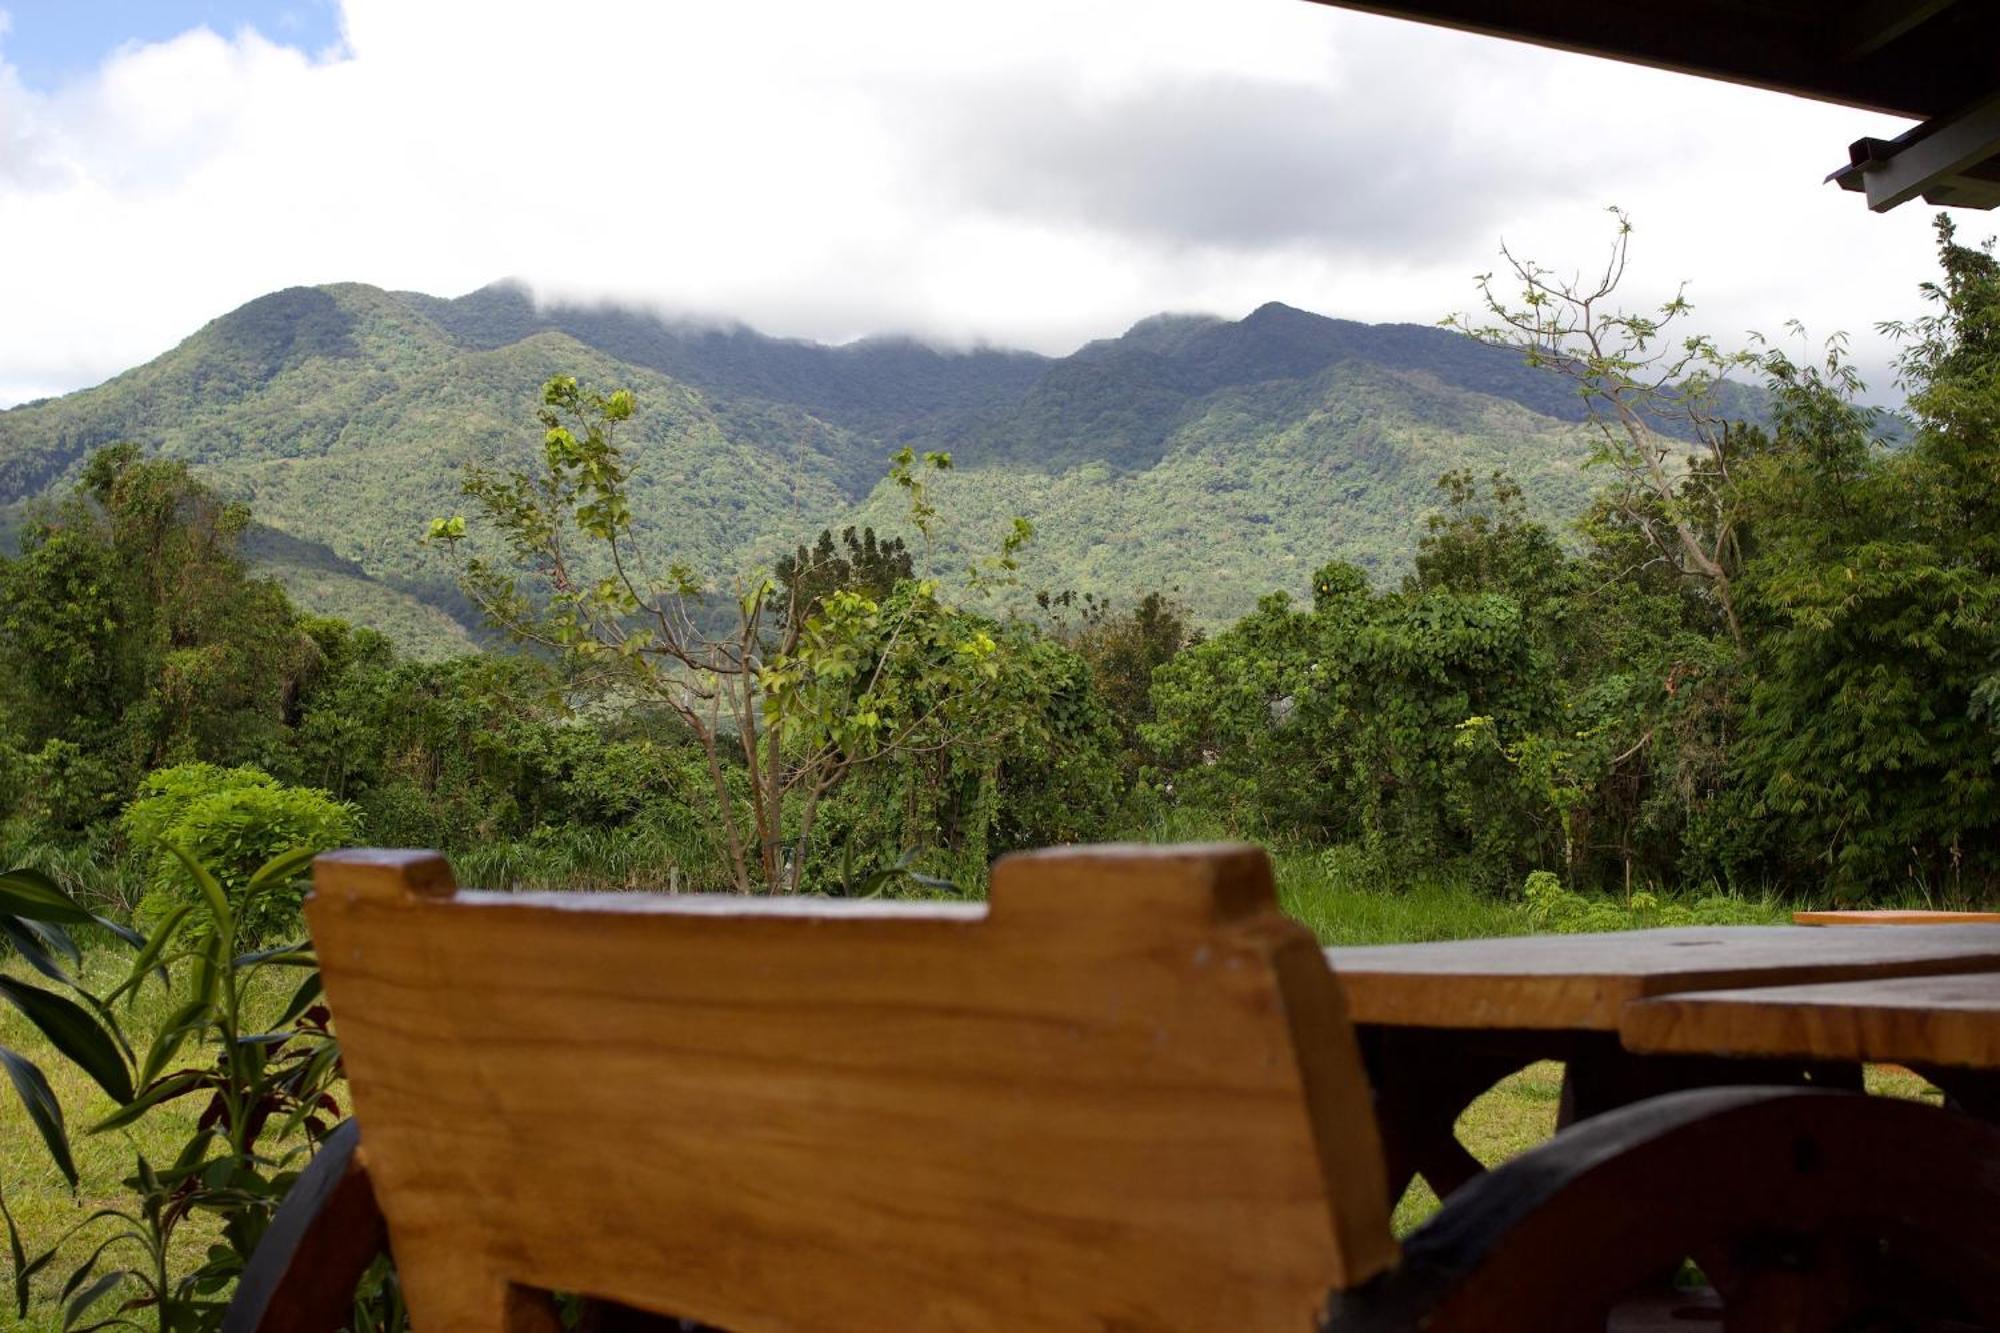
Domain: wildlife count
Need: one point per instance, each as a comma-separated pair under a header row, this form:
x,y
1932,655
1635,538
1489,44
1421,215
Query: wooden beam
x,y
1868,27
1910,65
1935,162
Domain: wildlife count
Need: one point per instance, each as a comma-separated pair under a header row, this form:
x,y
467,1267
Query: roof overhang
x,y
1937,61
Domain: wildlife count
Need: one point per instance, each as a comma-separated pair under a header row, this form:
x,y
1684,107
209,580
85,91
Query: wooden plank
x,y
1126,1096
1938,1020
1803,47
1894,917
310,1259
1811,1211
1584,982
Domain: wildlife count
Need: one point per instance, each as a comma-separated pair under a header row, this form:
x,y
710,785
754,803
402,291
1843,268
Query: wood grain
x,y
1889,916
1125,1097
1584,982
1943,1020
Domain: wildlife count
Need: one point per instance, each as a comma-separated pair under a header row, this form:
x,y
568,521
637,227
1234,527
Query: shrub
x,y
232,820
1553,908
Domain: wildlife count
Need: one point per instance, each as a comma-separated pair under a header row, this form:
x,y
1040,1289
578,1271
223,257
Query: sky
x,y
1031,174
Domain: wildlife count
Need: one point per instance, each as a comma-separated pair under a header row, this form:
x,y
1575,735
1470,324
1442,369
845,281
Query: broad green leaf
x,y
211,892
72,1030
282,868
31,894
184,1021
302,998
44,1111
150,951
164,1090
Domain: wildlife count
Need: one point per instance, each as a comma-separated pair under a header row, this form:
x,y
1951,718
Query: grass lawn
x,y
1330,893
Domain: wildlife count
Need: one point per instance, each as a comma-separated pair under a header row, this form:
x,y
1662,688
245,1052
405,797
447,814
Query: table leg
x,y
1602,1075
1424,1078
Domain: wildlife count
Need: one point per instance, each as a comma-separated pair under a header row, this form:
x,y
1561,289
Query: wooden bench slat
x,y
1932,1020
1893,916
1584,982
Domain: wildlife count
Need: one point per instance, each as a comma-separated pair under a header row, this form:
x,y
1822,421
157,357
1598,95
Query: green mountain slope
x,y
1225,458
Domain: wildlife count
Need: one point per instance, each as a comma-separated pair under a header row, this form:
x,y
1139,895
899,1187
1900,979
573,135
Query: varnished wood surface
x,y
1126,1097
1894,917
1812,1212
1943,1020
1584,982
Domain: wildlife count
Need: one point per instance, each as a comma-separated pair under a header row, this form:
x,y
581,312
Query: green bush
x,y
1553,908
232,820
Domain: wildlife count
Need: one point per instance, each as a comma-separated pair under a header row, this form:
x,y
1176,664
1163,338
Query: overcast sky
x,y
1034,173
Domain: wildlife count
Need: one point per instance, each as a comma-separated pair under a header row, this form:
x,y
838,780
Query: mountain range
x,y
1222,458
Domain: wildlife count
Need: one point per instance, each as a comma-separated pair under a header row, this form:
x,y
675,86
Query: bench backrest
x,y
1124,1096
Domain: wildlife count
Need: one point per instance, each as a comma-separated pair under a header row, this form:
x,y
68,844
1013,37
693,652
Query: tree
x,y
132,634
1652,399
1875,575
786,702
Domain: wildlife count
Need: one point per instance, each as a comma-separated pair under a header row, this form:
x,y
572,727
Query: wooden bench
x,y
1893,916
1126,1096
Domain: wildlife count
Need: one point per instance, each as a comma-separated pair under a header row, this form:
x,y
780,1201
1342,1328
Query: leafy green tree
x,y
1867,745
860,563
794,703
132,635
1122,650
232,821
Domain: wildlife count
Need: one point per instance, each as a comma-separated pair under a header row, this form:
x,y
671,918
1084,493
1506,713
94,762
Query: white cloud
x,y
1035,173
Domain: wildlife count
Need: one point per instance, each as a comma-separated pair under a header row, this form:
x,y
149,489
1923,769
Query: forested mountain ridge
x,y
1222,457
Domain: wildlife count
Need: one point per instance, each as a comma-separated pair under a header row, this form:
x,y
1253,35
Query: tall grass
x,y
638,857
99,872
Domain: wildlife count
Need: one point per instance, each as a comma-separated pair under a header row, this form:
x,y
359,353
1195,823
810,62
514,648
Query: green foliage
x,y
131,636
1225,458
1551,908
263,1064
35,917
1868,745
233,822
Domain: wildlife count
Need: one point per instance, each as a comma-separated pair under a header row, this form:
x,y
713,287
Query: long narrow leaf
x,y
150,951
90,1295
30,893
180,1024
211,892
163,1090
282,868
19,1257
72,1030
44,1111
123,932
285,955
33,949
302,998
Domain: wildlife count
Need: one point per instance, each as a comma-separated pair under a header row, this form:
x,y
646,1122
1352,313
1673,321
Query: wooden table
x,y
1441,1023
1945,1027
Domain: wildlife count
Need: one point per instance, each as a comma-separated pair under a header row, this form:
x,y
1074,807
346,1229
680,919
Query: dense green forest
x,y
1191,452
1771,667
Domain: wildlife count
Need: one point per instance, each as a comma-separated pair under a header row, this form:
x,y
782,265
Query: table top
x,y
1938,1020
1584,982
1892,917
